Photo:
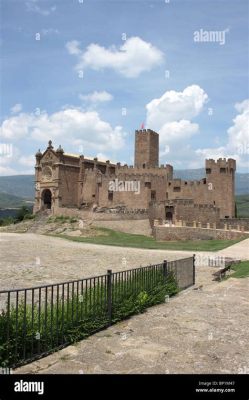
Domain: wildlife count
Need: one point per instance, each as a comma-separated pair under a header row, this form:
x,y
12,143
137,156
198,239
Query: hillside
x,y
11,201
242,206
18,185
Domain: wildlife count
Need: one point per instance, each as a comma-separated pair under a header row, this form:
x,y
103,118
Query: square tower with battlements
x,y
146,149
220,177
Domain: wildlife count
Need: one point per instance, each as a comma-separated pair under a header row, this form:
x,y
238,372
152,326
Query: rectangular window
x,y
177,189
148,185
110,196
153,195
222,170
208,170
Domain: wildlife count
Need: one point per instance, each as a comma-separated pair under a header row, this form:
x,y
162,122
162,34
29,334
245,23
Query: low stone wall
x,y
186,233
234,222
101,216
139,227
184,210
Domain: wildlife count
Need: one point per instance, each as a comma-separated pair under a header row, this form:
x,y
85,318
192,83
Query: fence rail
x,y
38,320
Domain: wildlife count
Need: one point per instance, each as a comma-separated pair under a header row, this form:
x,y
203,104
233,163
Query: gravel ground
x,y
29,259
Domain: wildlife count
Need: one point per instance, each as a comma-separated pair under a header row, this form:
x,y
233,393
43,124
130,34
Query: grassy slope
x,y
114,238
9,201
242,205
241,270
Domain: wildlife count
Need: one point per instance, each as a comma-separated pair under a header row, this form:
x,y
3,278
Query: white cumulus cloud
x,y
130,60
175,106
72,125
96,97
238,134
16,108
237,145
174,131
73,47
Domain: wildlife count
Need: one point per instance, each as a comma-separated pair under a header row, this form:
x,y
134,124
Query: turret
x,y
146,148
220,177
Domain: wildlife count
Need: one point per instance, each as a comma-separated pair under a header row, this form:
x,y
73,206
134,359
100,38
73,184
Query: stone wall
x,y
68,185
102,216
184,210
216,188
234,222
197,212
186,233
138,227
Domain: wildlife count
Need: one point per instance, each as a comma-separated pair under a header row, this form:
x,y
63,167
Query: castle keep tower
x,y
220,181
146,148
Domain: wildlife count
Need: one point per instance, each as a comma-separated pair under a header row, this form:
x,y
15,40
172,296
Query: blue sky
x,y
102,68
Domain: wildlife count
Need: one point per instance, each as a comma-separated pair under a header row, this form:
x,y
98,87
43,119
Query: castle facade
x,y
70,181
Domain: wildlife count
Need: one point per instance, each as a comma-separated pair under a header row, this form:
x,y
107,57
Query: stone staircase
x,y
39,221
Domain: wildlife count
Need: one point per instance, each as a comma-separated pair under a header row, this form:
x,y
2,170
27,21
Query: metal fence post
x,y
109,295
165,269
193,269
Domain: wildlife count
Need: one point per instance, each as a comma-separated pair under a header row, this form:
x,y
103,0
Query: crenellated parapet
x,y
228,164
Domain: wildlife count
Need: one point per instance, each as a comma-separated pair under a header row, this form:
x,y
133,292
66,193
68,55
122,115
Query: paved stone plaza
x,y
201,330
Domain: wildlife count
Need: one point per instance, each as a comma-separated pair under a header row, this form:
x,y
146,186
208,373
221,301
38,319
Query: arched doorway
x,y
47,199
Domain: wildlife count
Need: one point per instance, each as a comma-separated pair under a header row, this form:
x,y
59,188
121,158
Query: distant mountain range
x,y
11,201
18,185
22,186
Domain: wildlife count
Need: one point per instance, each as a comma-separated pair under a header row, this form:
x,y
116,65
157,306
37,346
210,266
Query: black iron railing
x,y
39,320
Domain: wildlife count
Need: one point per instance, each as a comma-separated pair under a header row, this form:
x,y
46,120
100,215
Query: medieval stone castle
x,y
77,183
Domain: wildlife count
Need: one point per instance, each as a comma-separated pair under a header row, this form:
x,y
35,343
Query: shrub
x,y
29,216
7,221
22,213
77,316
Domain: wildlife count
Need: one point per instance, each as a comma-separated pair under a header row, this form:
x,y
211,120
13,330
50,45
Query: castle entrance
x,y
169,211
47,199
169,216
